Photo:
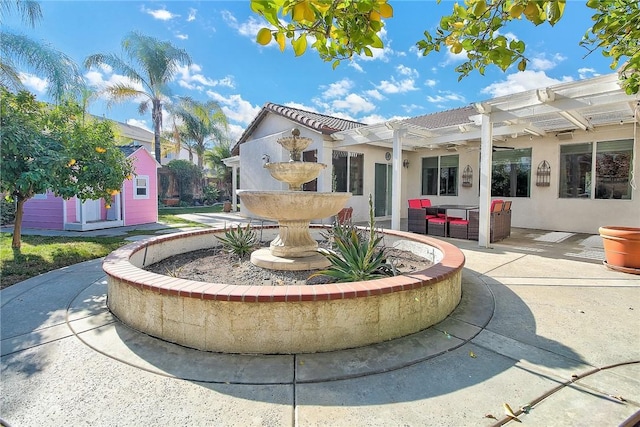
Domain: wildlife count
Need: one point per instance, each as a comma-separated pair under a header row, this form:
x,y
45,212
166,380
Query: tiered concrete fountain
x,y
251,318
293,248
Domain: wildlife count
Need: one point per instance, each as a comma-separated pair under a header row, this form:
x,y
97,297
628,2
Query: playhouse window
x,y
141,187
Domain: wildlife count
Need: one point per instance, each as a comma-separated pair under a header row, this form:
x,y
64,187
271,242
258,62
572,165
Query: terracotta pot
x,y
226,207
621,246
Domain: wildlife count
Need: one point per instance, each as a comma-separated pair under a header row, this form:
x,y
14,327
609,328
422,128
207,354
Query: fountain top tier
x,y
294,144
295,172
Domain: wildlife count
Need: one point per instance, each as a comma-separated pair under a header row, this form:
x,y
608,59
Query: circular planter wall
x,y
278,319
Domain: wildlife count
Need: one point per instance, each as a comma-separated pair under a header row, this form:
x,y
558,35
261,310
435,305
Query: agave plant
x,y
357,256
239,241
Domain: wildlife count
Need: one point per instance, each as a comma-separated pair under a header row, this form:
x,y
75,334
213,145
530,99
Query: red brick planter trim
x,y
118,265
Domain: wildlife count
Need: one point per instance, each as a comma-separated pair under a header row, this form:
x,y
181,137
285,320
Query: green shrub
x,y
357,255
211,194
188,177
187,199
239,241
7,211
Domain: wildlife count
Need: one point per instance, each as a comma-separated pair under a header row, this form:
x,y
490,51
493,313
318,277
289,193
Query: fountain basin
x,y
293,210
287,205
278,319
295,173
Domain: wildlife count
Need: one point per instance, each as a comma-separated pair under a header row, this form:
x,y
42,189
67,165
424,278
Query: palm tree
x,y
152,64
201,123
214,158
179,138
61,73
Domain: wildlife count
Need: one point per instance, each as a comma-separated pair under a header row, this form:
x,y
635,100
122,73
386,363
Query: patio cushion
x,y
415,203
425,203
437,227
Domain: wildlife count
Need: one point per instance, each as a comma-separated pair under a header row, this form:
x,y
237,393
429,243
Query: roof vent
x,y
564,136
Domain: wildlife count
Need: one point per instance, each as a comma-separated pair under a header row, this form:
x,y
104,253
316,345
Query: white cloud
x,y
417,52
394,86
356,66
106,68
139,123
407,71
161,14
430,82
337,89
192,14
542,63
249,28
453,58
372,119
522,81
235,108
300,106
103,77
190,77
510,36
34,82
375,94
585,73
235,132
383,54
182,36
410,108
353,103
445,96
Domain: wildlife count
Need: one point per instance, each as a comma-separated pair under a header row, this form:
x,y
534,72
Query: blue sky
x,y
232,69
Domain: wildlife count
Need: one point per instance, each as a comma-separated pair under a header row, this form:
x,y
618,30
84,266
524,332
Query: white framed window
x,y
141,187
610,163
348,172
442,169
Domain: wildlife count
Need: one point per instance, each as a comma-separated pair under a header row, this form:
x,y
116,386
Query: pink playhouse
x,y
137,202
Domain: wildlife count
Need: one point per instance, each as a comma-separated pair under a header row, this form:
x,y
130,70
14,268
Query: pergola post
x,y
234,164
486,152
396,184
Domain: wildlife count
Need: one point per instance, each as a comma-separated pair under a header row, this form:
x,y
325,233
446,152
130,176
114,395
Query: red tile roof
x,y
316,121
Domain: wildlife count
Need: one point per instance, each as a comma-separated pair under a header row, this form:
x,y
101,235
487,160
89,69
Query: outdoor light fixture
x,y
405,163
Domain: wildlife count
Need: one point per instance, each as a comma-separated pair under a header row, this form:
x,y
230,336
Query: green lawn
x,y
42,254
195,209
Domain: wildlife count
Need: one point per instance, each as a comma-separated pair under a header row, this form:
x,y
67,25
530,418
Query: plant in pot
x,y
621,248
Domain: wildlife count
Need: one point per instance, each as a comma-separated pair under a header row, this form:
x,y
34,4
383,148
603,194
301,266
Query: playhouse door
x,y
92,210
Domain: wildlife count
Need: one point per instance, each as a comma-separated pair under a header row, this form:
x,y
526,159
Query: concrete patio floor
x,y
542,325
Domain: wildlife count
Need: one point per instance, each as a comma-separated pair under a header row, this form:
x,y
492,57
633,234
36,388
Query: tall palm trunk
x,y
156,114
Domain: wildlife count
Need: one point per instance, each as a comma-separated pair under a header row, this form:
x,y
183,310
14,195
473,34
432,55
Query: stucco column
x,y
234,186
325,179
486,151
396,183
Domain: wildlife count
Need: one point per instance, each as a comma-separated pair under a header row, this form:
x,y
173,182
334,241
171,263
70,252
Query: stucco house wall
x,y
263,141
544,209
